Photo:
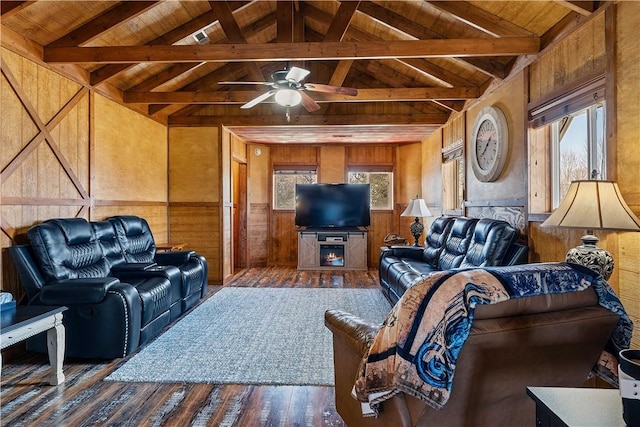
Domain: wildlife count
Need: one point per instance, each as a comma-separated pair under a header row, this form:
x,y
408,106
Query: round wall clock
x,y
490,144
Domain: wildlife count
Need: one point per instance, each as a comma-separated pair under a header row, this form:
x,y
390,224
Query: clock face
x,y
486,144
490,141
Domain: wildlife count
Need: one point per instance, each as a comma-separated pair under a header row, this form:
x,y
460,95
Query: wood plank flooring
x,y
85,400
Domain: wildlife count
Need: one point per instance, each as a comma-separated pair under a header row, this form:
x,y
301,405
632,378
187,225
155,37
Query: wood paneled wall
x,y
510,97
259,191
606,43
432,173
626,68
273,234
67,152
194,192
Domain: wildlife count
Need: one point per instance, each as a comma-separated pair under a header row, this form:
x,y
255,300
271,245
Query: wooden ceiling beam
x,y
163,77
228,71
107,71
446,77
413,29
435,119
104,22
234,33
364,95
442,48
284,13
340,22
148,84
584,8
9,8
336,32
199,22
481,19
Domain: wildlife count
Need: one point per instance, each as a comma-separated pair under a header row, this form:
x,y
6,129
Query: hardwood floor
x,y
85,400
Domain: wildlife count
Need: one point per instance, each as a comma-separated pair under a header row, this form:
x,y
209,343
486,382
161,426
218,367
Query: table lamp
x,y
593,205
417,208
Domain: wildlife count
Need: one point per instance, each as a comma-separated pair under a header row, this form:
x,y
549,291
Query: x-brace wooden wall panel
x,y
44,156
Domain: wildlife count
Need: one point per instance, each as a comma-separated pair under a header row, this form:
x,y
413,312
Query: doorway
x,y
240,246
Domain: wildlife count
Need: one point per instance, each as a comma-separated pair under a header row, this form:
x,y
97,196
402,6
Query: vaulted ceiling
x,y
412,62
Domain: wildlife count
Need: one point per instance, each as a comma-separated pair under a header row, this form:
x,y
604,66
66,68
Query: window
x,y
578,149
284,186
567,141
381,184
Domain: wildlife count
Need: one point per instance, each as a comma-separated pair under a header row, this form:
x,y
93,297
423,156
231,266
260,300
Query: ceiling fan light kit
x,y
288,97
289,91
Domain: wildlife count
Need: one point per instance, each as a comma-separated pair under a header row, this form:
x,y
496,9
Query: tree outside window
x,y
381,185
284,187
578,149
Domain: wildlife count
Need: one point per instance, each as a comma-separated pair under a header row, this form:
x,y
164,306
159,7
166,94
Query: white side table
x,y
26,321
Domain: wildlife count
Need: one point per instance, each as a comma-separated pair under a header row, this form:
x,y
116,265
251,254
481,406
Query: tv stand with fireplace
x,y
332,248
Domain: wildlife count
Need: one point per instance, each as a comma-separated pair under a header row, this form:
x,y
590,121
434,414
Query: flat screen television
x,y
333,205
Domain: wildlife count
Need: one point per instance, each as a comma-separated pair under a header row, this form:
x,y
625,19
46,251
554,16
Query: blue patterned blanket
x,y
416,349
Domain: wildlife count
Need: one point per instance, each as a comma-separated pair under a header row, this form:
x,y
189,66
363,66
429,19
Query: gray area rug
x,y
253,336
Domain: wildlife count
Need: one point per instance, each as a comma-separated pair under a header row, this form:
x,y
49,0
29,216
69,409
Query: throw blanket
x,y
416,349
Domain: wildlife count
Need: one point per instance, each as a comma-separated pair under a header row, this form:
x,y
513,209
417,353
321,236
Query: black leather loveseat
x,y
450,243
115,302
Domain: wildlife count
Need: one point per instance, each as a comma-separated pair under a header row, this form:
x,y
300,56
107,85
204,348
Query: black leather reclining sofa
x,y
450,243
119,291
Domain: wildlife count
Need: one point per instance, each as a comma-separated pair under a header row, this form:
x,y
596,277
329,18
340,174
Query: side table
x,y
577,407
168,247
26,321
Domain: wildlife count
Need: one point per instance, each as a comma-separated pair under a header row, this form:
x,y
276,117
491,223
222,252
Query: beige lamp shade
x,y
594,205
417,208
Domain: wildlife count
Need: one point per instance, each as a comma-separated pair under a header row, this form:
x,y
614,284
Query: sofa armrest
x,y
133,266
412,252
77,291
516,254
175,258
359,333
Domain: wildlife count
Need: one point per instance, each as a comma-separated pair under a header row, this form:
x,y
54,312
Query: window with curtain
x,y
381,186
572,125
284,186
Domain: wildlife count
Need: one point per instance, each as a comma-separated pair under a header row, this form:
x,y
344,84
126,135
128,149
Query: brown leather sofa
x,y
544,340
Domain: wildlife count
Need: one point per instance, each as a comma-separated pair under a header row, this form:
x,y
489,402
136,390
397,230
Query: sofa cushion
x,y
108,241
135,238
490,241
456,244
67,249
434,241
420,267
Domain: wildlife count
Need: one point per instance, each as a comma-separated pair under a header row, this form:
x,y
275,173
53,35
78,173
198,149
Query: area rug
x,y
253,336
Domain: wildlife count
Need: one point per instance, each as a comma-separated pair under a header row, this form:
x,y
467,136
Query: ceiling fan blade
x,y
309,104
246,83
331,89
258,99
297,74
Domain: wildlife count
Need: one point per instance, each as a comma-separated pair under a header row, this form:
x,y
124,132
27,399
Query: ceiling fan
x,y
289,90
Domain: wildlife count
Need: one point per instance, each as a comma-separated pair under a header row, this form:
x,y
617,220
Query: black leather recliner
x,y
116,302
106,318
138,245
136,272
450,243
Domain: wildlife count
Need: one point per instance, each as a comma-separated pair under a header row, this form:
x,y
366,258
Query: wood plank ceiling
x,y
413,62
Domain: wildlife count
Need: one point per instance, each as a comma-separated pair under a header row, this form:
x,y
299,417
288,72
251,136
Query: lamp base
x,y
592,257
416,229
